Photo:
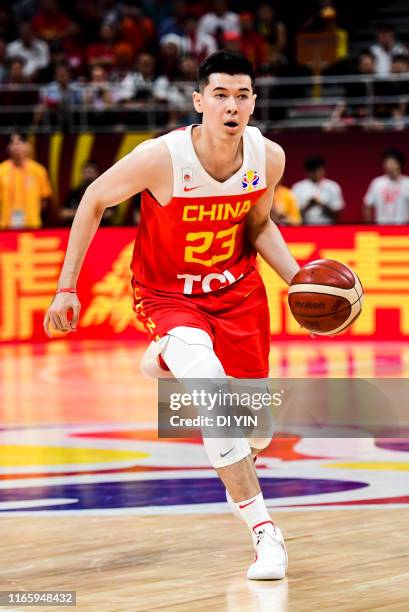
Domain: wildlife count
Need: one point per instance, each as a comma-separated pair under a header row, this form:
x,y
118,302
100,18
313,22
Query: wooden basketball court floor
x,y
92,501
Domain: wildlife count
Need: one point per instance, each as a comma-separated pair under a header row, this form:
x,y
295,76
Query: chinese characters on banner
x,y
30,263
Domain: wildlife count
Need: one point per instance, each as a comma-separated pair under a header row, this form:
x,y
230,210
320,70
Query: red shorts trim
x,y
236,318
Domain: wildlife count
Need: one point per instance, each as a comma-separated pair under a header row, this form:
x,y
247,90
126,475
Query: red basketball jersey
x,y
197,243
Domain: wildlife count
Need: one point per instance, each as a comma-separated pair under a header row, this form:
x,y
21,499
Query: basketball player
x,y
207,192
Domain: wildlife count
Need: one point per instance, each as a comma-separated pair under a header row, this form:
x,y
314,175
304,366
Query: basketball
x,y
325,297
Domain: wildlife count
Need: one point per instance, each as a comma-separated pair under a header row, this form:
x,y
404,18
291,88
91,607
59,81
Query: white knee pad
x,y
226,451
189,353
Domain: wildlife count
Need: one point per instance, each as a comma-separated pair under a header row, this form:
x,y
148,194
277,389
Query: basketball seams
x,y
313,264
321,289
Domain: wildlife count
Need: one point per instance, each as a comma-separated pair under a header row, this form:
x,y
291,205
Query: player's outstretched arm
x,y
135,172
263,232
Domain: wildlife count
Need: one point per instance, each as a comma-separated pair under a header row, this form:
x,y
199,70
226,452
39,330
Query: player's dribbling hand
x,y
58,313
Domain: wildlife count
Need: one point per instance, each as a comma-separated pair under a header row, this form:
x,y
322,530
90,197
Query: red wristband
x,y
66,290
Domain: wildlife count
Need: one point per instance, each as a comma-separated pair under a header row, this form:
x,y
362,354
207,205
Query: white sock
x,y
254,512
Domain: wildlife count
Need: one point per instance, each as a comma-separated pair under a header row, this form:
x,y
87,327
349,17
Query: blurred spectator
x,y
191,41
356,112
320,41
89,172
3,60
387,200
270,29
137,87
319,198
136,29
17,104
174,24
109,51
50,23
59,98
400,67
385,48
178,94
24,187
329,26
98,96
285,210
218,21
33,51
253,46
168,59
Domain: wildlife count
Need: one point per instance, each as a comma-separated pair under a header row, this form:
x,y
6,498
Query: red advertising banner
x,y
30,263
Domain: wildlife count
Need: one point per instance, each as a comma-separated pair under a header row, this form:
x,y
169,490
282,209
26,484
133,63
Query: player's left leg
x,y
242,342
190,356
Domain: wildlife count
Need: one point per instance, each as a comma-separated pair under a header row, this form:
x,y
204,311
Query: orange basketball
x,y
325,297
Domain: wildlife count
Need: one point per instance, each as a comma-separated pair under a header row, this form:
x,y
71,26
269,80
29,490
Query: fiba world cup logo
x,y
250,180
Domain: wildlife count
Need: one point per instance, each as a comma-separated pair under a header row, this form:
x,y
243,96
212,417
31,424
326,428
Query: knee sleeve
x,y
226,451
189,353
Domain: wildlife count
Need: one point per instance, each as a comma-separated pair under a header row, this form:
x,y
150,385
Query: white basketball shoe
x,y
271,555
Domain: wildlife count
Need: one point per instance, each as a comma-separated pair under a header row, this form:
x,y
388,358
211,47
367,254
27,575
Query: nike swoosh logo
x,y
186,188
224,454
241,506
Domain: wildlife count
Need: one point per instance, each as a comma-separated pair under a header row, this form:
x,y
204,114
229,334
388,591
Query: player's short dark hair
x,y
311,164
225,62
395,154
16,132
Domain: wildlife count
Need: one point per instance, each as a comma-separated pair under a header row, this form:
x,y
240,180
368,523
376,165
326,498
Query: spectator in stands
x,y
136,30
3,60
329,26
218,21
385,48
253,46
17,104
49,23
89,172
319,198
33,51
60,98
24,187
136,88
400,67
174,23
178,94
168,59
387,200
356,112
270,29
103,51
285,210
191,41
98,97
